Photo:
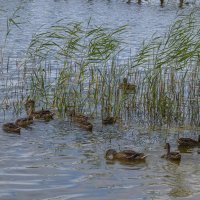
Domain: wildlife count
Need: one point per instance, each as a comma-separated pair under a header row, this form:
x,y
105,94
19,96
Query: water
x,y
142,20
58,160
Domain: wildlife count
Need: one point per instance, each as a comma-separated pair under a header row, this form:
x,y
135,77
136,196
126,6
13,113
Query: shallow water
x,y
58,160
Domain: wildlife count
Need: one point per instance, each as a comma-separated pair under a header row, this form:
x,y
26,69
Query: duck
x,y
81,120
24,122
77,117
188,142
172,156
109,120
86,125
11,128
125,155
41,114
127,86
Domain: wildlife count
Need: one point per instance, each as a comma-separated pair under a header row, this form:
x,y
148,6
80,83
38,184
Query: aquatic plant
x,y
12,85
170,63
77,67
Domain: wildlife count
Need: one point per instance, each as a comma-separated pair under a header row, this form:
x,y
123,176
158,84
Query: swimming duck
x,y
81,120
126,155
77,117
41,114
109,120
127,86
173,156
188,142
23,122
86,125
11,128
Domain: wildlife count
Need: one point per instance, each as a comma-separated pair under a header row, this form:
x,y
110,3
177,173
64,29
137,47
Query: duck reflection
x,y
176,179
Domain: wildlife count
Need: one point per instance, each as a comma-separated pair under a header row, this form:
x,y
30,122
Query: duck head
x,y
30,106
125,80
110,154
167,146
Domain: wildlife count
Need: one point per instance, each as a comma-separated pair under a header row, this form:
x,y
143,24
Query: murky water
x,y
58,160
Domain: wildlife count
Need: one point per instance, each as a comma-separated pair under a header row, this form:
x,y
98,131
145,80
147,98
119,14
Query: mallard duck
x,y
127,86
41,114
23,122
86,125
77,117
188,142
81,120
11,128
173,156
109,120
126,155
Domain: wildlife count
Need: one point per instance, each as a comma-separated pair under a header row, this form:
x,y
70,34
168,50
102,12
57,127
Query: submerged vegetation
x,y
78,67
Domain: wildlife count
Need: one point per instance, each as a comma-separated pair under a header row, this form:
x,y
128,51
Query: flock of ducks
x,y
26,121
82,121
79,119
130,155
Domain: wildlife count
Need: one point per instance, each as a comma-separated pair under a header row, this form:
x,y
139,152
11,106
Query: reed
x,y
77,67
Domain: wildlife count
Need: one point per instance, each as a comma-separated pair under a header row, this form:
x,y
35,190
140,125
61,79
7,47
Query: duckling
x,y
109,120
188,142
126,155
173,156
24,122
127,86
41,114
11,128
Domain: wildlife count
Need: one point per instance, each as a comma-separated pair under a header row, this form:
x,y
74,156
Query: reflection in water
x,y
65,161
177,181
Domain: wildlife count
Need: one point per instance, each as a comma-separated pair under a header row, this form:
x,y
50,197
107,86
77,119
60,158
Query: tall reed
x,y
77,67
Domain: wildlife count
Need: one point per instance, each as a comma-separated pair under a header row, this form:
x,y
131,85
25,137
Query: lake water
x,y
57,160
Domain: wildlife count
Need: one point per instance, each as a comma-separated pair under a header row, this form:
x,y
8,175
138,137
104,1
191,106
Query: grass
x,y
76,66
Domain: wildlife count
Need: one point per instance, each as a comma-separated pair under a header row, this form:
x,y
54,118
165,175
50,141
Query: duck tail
x,y
143,157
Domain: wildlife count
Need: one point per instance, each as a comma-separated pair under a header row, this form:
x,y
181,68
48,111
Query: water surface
x,y
58,160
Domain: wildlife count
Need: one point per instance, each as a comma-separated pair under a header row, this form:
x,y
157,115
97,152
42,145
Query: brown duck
x,y
11,128
41,114
126,155
127,86
77,117
173,156
109,120
81,120
24,122
188,142
86,125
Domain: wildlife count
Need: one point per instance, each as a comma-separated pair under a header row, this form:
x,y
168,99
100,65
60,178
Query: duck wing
x,y
187,141
129,154
125,155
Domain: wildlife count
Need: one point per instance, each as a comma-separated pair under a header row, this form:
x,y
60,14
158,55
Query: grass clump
x,y
77,67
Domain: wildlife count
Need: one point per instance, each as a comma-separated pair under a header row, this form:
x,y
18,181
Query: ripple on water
x,y
57,160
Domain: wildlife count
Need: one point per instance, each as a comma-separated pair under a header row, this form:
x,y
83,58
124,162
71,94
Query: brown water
x,y
59,161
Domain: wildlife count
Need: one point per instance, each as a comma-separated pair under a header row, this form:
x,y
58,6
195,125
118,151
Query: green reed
x,y
76,66
168,63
